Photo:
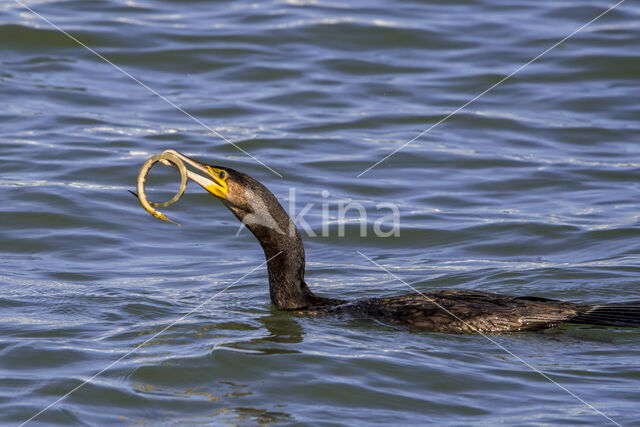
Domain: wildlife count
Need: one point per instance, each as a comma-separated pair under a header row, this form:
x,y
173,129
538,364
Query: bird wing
x,y
458,311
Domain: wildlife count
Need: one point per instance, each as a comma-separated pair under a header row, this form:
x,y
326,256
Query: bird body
x,y
469,311
449,311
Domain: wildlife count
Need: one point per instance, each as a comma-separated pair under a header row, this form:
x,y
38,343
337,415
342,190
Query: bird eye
x,y
222,175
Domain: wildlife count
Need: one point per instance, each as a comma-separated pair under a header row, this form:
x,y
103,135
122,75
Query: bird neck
x,y
285,265
284,251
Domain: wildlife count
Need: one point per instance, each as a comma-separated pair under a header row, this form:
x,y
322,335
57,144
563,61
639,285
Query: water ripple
x,y
532,189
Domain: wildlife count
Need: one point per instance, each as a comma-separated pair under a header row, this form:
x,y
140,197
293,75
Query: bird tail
x,y
618,314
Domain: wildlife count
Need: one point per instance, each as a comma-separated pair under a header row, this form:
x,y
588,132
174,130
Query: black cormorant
x,y
452,311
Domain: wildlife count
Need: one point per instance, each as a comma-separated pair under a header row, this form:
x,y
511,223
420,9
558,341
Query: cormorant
x,y
451,311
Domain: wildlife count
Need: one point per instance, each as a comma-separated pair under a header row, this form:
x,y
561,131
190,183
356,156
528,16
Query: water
x,y
532,189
